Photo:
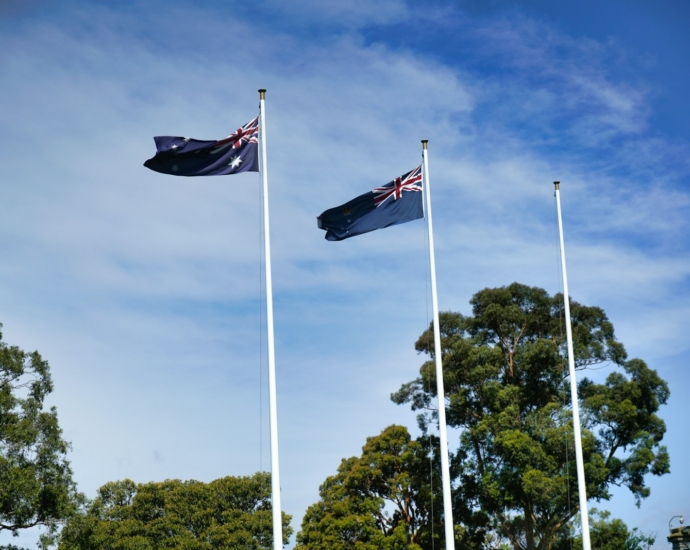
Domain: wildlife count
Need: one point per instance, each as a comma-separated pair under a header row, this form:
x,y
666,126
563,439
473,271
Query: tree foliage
x,y
231,512
36,486
380,500
608,534
507,388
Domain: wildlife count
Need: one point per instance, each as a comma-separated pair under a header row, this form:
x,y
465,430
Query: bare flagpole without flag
x,y
273,413
445,467
579,461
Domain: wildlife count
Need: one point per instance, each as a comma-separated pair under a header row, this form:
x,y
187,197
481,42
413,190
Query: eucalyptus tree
x,y
507,391
230,512
36,486
382,499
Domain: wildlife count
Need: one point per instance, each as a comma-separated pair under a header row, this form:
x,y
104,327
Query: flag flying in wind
x,y
181,156
396,202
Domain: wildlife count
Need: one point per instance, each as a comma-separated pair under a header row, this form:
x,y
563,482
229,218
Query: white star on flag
x,y
235,161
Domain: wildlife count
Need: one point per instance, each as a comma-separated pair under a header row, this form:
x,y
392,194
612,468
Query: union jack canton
x,y
249,133
396,188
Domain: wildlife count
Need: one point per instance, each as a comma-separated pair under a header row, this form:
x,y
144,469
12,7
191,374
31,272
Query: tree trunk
x,y
529,528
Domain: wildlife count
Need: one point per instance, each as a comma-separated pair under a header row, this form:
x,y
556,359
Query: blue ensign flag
x,y
396,202
181,156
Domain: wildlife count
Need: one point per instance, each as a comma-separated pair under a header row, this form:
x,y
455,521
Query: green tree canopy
x,y
231,512
507,388
381,500
607,534
36,486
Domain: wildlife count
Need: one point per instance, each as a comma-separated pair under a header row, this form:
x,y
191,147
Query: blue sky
x,y
144,291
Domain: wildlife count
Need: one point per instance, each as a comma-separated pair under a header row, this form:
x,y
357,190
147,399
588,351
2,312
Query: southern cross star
x,y
175,168
235,161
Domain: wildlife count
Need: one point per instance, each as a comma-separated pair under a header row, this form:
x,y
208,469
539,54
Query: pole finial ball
x,y
262,93
424,143
557,184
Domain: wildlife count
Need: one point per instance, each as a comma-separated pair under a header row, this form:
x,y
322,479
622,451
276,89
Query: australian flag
x,y
396,202
180,156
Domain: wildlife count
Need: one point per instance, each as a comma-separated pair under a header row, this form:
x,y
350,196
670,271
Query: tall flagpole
x,y
581,487
445,467
273,413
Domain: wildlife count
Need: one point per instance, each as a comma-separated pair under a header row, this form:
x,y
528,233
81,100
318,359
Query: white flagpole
x,y
445,468
581,487
273,413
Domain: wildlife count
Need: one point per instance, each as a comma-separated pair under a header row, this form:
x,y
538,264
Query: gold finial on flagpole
x,y
557,183
424,142
262,93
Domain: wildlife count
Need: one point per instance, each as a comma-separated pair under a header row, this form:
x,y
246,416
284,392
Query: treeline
x,y
513,466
